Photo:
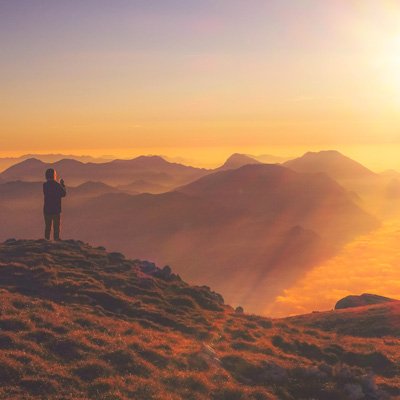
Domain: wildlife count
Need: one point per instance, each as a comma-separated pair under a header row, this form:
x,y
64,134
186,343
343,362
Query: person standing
x,y
53,193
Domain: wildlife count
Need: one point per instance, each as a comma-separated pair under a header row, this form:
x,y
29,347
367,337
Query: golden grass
x,y
79,323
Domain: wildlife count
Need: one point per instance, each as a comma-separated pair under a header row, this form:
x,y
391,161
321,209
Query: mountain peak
x,y
144,161
31,161
66,163
238,160
152,157
324,153
330,162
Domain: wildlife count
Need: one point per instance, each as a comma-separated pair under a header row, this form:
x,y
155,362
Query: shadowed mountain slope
x,y
376,193
332,163
80,323
142,186
93,189
268,191
28,193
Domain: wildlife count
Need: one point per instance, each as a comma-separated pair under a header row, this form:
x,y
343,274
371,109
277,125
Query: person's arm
x,y
63,191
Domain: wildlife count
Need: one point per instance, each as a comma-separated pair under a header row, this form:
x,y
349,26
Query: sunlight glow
x,y
390,66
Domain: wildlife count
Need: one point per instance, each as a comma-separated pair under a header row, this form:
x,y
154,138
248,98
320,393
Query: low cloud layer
x,y
371,264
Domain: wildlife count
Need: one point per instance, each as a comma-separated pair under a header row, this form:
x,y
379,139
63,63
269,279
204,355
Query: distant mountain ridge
x,y
117,172
7,162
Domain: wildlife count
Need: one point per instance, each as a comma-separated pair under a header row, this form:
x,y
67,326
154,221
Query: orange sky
x,y
202,80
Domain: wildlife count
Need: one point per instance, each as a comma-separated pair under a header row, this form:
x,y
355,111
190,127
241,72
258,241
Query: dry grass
x,y
79,323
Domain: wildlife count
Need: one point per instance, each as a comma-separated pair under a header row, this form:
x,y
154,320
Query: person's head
x,y
51,174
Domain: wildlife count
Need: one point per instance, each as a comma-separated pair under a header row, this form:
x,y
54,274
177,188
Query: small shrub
x,y
143,392
40,336
125,363
197,362
279,341
37,386
61,330
194,384
151,356
6,342
243,370
13,325
378,362
183,301
154,358
20,305
66,349
259,396
242,334
115,256
228,394
99,388
8,373
91,371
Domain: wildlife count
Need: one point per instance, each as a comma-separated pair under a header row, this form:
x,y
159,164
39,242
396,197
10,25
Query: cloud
x,y
369,264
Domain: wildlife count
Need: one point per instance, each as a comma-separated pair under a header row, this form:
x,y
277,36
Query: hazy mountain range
x,y
256,227
152,169
7,162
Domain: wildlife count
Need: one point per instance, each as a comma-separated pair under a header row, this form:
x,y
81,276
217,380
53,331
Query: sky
x,y
201,79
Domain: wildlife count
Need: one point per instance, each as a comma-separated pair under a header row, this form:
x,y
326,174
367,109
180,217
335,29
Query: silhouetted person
x,y
53,193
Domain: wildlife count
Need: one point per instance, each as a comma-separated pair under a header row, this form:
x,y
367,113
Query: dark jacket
x,y
53,192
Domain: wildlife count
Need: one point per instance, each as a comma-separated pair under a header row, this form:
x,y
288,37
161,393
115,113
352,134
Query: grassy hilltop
x,y
77,322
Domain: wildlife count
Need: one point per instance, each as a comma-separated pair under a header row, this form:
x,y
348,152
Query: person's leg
x,y
47,221
56,226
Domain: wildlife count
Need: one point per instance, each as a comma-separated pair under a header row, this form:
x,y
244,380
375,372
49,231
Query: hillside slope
x,y
376,320
80,323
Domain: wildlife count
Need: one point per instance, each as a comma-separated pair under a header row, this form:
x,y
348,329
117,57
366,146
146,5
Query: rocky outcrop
x,y
365,299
